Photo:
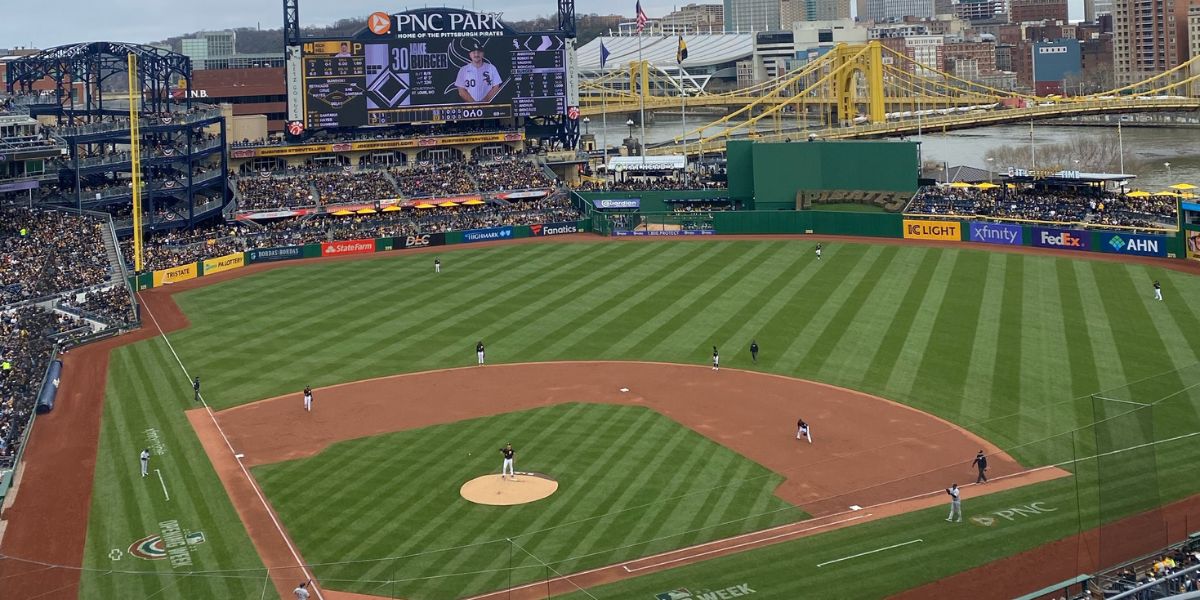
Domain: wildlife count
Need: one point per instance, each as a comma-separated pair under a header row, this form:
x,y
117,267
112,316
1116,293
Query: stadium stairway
x,y
112,252
387,174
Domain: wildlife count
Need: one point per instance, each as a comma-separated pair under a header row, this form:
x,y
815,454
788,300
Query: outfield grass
x,y
997,342
626,475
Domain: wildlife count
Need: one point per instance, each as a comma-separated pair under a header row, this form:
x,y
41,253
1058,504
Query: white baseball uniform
x,y
145,456
478,81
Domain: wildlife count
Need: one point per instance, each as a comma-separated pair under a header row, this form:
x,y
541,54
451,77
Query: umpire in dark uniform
x,y
754,351
196,387
980,463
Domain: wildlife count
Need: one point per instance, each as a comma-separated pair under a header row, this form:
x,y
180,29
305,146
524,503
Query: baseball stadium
x,y
431,344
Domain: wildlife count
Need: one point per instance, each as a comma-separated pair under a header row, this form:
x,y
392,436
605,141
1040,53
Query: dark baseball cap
x,y
472,44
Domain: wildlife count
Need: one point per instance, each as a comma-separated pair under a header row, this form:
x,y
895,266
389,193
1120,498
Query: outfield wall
x,y
237,260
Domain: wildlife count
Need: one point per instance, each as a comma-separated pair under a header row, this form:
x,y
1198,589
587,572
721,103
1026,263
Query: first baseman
x,y
980,462
507,467
479,352
802,431
145,456
196,387
955,503
308,398
1157,290
716,360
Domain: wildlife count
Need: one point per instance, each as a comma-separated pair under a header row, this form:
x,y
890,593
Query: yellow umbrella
x,y
960,185
1165,193
474,202
1183,186
1011,186
342,213
448,204
392,208
426,205
1188,195
366,211
987,185
1138,194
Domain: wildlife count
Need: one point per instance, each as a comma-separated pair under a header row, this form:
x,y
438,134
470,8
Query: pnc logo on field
x,y
380,23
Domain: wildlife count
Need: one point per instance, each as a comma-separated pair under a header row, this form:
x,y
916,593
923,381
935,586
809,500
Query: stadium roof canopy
x,y
704,50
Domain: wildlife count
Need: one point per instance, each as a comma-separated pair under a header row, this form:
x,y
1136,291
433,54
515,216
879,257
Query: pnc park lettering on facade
x,y
932,230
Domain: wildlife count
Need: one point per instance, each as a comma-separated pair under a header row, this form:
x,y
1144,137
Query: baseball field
x,y
1078,383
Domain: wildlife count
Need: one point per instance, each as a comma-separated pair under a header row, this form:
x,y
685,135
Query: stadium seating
x,y
1042,205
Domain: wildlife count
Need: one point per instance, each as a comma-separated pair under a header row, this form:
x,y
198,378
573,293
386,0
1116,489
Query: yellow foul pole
x,y
135,150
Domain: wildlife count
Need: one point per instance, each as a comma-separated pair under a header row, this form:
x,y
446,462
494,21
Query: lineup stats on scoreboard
x,y
427,78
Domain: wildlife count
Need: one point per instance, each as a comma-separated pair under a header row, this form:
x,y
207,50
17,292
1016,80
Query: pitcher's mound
x,y
525,487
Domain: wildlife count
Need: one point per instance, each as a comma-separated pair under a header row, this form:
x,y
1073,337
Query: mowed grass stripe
x,y
886,359
919,334
984,359
682,317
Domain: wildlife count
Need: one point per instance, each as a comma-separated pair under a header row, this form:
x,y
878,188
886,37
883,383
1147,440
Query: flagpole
x,y
683,112
643,72
604,129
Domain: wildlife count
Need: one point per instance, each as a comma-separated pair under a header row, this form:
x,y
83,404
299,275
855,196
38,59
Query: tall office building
x,y
1145,39
208,45
751,15
1094,8
1038,10
794,11
1194,44
896,10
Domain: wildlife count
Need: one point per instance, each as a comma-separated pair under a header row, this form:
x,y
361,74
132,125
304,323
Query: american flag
x,y
641,17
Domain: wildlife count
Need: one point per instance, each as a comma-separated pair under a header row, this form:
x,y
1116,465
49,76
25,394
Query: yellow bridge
x,y
866,90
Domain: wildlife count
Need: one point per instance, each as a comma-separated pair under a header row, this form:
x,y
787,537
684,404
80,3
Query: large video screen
x,y
355,83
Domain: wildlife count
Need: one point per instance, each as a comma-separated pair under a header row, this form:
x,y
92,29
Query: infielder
x,y
308,398
196,387
437,265
802,431
754,351
818,252
145,456
478,80
716,360
1157,290
980,462
507,467
955,503
479,352
301,591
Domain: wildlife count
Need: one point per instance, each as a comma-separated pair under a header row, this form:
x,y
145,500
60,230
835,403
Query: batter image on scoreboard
x,y
478,80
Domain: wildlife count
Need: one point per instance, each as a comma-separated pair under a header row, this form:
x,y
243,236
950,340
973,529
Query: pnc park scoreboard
x,y
427,66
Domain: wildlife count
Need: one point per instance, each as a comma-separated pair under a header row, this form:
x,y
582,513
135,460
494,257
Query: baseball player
x,y
754,351
437,265
507,467
802,431
716,360
301,591
478,80
479,352
955,503
818,252
980,463
308,398
145,456
196,387
1157,290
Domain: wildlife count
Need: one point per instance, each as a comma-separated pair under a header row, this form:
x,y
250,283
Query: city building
x,y
751,15
261,91
208,44
792,11
896,10
694,18
1145,39
978,10
772,52
1194,45
1092,9
1056,65
1026,11
969,60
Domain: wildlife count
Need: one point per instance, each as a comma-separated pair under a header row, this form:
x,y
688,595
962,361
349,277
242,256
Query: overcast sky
x,y
68,21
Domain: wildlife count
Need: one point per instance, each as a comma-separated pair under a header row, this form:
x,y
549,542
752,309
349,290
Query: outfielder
x,y
818,252
479,352
437,265
507,467
716,360
1157,290
955,503
145,456
754,351
802,431
308,398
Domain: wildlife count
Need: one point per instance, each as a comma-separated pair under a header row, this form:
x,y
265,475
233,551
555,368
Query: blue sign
x,y
1062,239
997,233
489,234
1186,205
619,203
1131,243
668,232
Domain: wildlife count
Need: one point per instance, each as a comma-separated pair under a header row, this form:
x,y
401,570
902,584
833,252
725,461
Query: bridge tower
x,y
848,64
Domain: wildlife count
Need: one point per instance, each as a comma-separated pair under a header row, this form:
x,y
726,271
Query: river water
x,y
1149,148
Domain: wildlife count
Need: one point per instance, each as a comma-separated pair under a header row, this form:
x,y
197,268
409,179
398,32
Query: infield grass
x,y
1002,344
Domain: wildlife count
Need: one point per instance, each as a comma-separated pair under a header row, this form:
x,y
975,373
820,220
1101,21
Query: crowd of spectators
x,y
273,192
1033,204
109,304
664,182
429,179
46,252
1159,569
394,133
359,186
507,174
701,207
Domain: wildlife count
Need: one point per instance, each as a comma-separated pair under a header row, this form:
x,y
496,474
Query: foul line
x,y
736,546
228,444
164,485
1134,402
836,560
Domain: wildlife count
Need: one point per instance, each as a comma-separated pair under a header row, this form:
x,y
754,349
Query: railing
x,y
1159,588
123,125
123,271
